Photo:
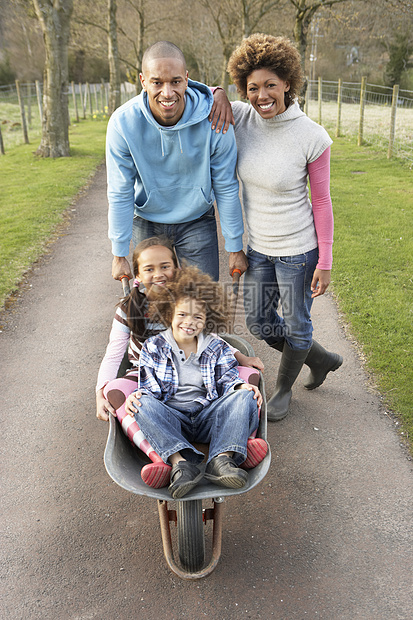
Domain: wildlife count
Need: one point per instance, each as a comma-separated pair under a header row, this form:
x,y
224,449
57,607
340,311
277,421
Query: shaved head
x,y
162,49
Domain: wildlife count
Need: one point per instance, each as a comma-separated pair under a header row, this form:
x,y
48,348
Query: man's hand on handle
x,y
121,267
237,260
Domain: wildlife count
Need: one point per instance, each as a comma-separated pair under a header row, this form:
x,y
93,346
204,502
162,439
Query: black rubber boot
x,y
320,362
291,363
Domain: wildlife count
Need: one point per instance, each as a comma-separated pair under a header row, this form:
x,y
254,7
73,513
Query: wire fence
x,y
369,113
21,108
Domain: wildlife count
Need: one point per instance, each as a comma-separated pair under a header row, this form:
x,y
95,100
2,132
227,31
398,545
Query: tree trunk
x,y
303,17
113,57
54,17
139,46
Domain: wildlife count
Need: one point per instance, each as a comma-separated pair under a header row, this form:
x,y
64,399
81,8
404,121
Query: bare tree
x,y
113,58
54,17
305,11
235,19
95,20
304,14
145,25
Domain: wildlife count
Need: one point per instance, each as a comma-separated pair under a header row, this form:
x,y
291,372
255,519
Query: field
x,y
376,125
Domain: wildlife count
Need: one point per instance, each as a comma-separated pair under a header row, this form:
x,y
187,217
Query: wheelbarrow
x,y
124,461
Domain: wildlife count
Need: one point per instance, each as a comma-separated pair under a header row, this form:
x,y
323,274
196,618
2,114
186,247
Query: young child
x,y
154,264
190,389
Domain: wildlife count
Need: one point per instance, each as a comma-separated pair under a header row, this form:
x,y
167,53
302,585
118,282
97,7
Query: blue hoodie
x,y
170,175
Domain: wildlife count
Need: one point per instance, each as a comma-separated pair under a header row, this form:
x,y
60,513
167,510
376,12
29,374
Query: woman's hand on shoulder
x,y
103,407
321,280
221,115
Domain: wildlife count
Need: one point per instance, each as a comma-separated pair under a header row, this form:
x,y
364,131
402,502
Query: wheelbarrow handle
x,y
236,274
125,284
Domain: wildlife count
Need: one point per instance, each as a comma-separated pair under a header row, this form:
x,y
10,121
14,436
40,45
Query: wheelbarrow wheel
x,y
191,539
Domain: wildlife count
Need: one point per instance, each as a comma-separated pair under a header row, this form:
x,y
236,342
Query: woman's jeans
x,y
196,241
270,280
225,425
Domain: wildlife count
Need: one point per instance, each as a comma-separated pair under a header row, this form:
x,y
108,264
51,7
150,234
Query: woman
x,y
290,237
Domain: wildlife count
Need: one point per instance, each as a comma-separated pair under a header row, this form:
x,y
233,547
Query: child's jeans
x,y
225,425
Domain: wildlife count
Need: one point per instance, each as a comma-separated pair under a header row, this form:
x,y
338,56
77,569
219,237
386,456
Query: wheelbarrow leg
x,y
165,516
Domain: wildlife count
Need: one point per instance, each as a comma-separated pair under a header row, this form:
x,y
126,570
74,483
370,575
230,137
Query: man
x,y
165,168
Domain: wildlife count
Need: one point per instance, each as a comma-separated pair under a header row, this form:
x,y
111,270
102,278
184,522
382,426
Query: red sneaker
x,y
156,475
257,448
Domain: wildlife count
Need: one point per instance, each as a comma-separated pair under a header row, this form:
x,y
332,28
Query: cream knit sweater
x,y
273,158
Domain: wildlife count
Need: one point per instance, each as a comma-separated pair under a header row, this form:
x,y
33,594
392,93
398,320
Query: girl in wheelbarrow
x,y
190,388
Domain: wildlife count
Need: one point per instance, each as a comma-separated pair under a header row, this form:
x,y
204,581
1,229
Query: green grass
x,y
373,270
35,193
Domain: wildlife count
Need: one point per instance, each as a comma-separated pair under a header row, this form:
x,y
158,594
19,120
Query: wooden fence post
x,y
82,104
88,97
95,90
2,151
393,120
39,99
75,102
320,98
22,114
339,98
102,92
362,104
29,103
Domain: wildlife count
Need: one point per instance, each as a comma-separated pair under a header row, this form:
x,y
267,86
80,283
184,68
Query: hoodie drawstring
x,y
163,152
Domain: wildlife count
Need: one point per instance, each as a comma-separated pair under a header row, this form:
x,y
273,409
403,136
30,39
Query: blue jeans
x,y
286,279
225,424
196,241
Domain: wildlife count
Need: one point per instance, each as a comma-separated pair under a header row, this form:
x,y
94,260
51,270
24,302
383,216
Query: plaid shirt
x,y
159,377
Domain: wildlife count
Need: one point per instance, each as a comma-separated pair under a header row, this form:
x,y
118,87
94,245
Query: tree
x,y
54,17
145,26
400,51
304,14
235,19
113,58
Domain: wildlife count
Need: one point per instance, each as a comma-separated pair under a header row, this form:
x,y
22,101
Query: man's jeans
x,y
286,279
195,241
225,424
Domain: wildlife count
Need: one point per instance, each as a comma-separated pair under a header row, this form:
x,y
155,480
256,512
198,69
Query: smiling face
x,y
156,266
265,92
188,321
165,81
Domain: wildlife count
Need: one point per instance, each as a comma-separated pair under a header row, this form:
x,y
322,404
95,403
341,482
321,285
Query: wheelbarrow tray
x,y
123,461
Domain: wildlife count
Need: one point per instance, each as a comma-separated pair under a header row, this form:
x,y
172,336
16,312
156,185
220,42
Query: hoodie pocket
x,y
174,204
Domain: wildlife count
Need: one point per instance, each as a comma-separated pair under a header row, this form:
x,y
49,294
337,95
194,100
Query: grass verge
x,y
372,271
35,193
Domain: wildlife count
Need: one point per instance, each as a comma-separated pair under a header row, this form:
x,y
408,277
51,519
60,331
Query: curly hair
x,y
263,51
191,283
